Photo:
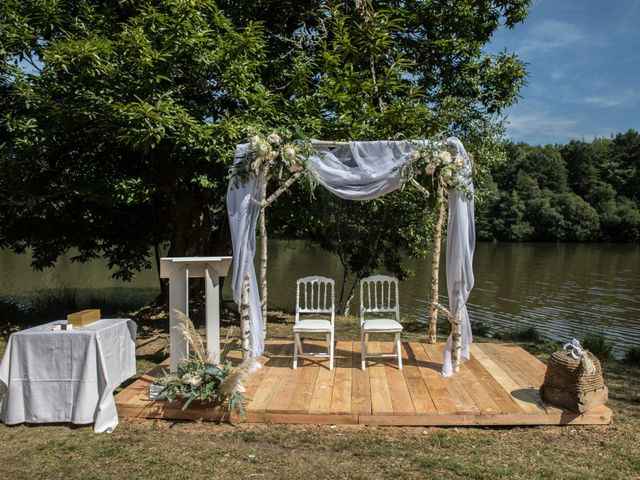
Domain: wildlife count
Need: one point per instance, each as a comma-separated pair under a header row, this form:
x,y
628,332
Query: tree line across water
x,y
580,191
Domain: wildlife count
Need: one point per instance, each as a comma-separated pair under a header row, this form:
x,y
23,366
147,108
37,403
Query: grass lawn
x,y
165,449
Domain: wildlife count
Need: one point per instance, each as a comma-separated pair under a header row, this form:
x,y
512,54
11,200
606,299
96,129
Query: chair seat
x,y
381,324
312,325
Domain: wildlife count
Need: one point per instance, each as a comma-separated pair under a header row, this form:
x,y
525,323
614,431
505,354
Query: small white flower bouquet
x,y
441,166
273,154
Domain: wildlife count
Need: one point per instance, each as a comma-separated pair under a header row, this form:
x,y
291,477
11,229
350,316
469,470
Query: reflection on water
x,y
564,290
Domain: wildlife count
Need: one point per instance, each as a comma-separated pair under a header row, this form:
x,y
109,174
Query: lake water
x,y
563,290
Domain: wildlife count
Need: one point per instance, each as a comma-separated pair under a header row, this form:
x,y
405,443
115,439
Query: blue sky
x,y
584,70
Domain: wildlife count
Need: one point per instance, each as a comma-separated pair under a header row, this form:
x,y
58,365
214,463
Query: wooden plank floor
x,y
497,386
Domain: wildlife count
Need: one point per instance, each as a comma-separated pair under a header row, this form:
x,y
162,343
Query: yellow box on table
x,y
83,317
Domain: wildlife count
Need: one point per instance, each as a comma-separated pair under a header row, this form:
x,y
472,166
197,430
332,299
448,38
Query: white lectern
x,y
179,270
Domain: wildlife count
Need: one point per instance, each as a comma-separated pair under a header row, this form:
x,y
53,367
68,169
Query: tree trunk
x,y
164,282
183,211
189,220
157,240
221,240
456,346
190,225
244,317
344,281
435,268
263,252
352,293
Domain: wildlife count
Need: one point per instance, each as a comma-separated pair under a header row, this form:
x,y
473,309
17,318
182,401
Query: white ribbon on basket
x,y
579,353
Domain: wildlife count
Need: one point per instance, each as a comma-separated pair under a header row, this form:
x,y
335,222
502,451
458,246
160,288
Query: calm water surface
x,y
564,290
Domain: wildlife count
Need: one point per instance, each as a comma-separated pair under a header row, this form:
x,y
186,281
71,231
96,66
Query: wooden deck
x,y
497,386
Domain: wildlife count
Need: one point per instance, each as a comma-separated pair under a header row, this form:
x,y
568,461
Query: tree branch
x,y
415,183
285,186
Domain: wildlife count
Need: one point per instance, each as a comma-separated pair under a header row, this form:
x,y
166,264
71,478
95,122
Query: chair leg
x,y
331,351
399,349
295,351
363,351
299,343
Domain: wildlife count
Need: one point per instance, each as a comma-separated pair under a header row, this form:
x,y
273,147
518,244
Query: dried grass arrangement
x,y
202,377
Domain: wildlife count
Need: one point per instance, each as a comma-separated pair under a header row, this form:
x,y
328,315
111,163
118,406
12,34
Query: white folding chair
x,y
379,295
314,295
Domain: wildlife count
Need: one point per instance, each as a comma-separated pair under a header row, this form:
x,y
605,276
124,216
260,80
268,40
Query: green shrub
x,y
11,310
596,344
632,357
479,329
54,303
522,334
110,303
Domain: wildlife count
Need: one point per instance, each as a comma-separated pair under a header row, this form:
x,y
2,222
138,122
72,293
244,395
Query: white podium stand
x,y
179,270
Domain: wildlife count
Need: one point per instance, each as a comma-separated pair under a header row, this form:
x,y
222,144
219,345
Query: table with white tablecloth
x,y
49,376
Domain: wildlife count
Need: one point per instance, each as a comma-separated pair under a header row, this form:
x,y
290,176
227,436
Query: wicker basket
x,y
569,384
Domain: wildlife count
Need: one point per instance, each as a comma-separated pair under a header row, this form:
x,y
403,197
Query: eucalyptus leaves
x,y
201,377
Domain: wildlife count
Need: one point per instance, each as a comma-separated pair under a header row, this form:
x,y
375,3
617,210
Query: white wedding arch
x,y
361,170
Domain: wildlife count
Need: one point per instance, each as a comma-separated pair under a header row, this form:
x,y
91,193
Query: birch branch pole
x,y
435,268
264,203
415,183
263,251
456,336
244,317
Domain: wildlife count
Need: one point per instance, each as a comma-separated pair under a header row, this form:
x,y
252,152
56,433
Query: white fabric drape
x,y
361,170
357,171
461,242
243,206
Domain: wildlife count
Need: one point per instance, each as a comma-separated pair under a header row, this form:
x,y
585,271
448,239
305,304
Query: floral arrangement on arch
x,y
441,164
273,154
202,377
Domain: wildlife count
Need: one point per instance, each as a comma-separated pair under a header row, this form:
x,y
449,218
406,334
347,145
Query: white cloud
x,y
629,17
613,98
543,126
549,36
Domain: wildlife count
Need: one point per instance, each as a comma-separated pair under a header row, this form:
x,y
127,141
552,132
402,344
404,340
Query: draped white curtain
x,y
243,206
461,243
357,171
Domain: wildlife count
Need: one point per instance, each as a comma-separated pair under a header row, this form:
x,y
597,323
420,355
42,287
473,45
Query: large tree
x,y
119,117
118,126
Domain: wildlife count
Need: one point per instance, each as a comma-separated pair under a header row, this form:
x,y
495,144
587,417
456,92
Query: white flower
x,y
272,155
430,169
459,161
186,378
445,157
263,148
195,380
415,156
446,175
274,139
290,152
169,379
254,141
255,165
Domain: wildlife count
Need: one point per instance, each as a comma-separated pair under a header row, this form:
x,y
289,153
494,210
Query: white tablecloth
x,y
67,376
